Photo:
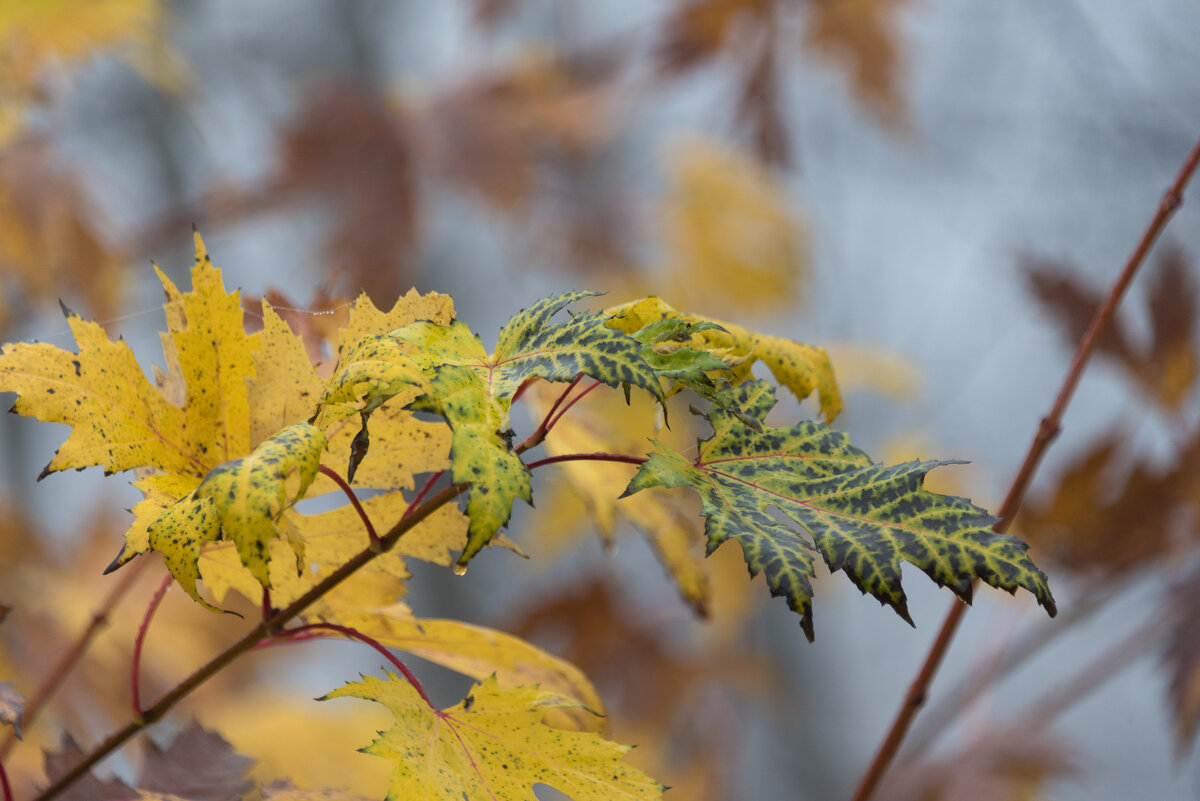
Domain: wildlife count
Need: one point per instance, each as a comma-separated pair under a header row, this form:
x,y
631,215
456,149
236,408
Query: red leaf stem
x,y
588,457
136,663
362,513
311,630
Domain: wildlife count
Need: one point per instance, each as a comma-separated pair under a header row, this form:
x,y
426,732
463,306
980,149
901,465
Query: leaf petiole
x,y
135,667
588,457
362,513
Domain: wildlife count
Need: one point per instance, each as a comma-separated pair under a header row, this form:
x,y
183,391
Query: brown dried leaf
x,y
50,236
862,36
1166,367
1182,658
697,31
346,149
492,134
88,787
198,765
1098,521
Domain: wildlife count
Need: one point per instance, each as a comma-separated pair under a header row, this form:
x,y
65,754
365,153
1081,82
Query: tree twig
x,y
1047,431
248,641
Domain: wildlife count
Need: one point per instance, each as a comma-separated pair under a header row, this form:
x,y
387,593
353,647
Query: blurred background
x,y
937,194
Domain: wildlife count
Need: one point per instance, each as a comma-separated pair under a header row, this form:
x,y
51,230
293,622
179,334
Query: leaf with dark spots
x,y
863,518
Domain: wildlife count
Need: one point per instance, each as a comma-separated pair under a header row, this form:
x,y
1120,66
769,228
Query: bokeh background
x,y
937,193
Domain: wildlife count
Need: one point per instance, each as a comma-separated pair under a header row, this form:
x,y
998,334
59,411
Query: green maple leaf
x,y
494,745
474,390
863,518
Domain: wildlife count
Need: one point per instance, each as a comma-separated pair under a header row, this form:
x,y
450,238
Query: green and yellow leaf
x,y
863,518
494,745
241,501
474,390
803,369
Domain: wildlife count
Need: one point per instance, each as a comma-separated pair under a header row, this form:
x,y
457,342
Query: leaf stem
x,y
355,634
590,457
135,667
574,401
539,433
260,632
1047,431
74,654
362,513
420,496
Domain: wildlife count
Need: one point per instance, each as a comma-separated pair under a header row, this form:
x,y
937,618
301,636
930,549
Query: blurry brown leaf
x,y
759,105
492,134
698,30
50,236
1006,765
863,36
12,707
88,787
1166,367
1097,522
489,12
346,149
198,765
1182,658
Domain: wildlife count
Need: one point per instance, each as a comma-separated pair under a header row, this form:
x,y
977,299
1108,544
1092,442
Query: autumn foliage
x,y
308,461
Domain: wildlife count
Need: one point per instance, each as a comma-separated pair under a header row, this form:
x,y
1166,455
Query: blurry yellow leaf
x,y
875,370
493,745
475,651
733,241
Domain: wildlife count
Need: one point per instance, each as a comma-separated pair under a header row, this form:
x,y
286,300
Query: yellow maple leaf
x,y
493,745
732,238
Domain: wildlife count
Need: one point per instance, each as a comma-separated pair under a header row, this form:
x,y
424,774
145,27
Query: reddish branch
x,y
135,667
1049,428
8,796
588,457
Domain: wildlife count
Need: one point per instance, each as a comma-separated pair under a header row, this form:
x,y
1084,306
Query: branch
x,y
588,457
249,640
56,676
1047,431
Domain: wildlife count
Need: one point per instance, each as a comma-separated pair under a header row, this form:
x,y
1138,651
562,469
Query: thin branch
x,y
306,632
362,513
260,632
588,457
954,701
539,433
1048,430
56,677
135,667
8,796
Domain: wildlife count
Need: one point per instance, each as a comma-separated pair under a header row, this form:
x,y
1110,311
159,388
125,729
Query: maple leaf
x,y
473,390
474,651
493,745
199,765
241,500
731,235
863,518
862,35
801,368
88,787
1166,367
